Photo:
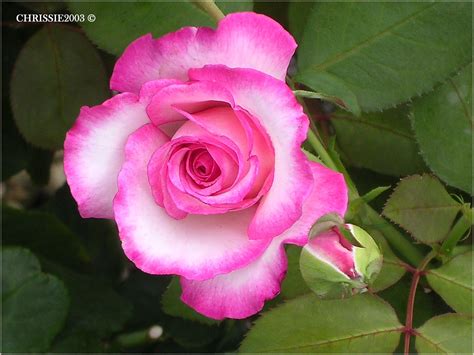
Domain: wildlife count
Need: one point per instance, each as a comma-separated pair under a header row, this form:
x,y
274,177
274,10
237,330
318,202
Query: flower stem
x,y
210,7
139,337
411,299
321,150
457,232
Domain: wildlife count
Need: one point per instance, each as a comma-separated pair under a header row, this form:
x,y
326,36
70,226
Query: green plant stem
x,y
321,150
210,7
411,299
457,232
138,338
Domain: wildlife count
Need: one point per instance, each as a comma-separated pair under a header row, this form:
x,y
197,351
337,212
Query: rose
x,y
198,160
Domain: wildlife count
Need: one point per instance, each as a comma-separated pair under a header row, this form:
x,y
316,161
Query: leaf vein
x,y
330,341
453,281
341,56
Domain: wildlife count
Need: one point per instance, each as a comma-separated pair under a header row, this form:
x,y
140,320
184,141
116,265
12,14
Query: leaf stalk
x,y
409,331
210,7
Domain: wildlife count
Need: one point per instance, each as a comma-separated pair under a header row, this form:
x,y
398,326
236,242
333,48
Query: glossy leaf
x,y
347,325
130,20
56,73
34,304
173,305
443,123
380,49
445,334
298,13
421,205
335,88
453,282
382,142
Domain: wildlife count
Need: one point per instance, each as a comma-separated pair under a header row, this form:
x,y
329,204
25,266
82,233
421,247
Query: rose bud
x,y
334,268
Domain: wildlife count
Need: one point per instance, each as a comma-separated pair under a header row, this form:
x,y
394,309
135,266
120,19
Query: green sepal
x,y
325,280
368,259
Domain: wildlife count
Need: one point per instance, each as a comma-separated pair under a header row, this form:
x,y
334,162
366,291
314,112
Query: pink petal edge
x,y
246,40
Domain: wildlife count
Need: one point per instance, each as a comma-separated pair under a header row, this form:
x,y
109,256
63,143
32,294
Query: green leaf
x,y
95,307
293,284
348,325
44,234
96,312
445,334
382,141
421,205
453,282
442,121
34,304
130,20
56,73
379,50
298,13
392,270
173,305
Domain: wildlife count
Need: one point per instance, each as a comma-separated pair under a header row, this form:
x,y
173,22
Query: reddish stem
x,y
409,331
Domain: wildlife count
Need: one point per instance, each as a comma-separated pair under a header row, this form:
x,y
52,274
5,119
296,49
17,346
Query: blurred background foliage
x,y
67,286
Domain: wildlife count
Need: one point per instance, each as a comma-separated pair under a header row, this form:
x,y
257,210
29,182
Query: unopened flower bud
x,y
333,267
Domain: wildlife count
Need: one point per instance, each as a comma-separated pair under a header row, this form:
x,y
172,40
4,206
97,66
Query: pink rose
x,y
198,160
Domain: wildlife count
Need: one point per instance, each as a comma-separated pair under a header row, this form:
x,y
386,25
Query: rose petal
x,y
245,40
193,247
328,195
241,293
286,125
94,148
222,121
93,152
190,97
